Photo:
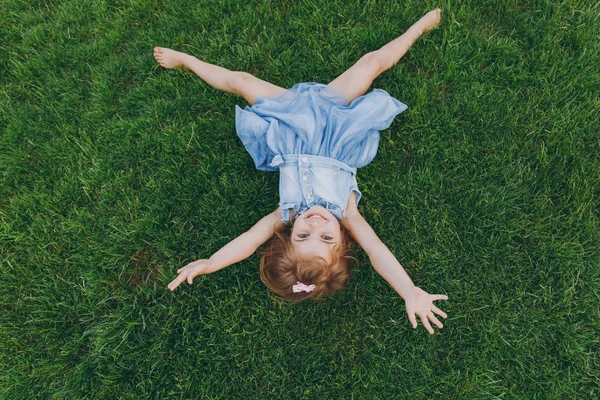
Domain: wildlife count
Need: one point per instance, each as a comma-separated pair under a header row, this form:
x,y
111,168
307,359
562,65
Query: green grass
x,y
115,172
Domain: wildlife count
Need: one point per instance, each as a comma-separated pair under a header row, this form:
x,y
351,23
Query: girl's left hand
x,y
420,302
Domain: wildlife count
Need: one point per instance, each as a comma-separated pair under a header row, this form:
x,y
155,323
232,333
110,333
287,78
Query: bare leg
x,y
357,80
240,83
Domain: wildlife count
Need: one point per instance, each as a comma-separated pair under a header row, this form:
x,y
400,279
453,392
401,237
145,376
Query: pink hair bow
x,y
301,287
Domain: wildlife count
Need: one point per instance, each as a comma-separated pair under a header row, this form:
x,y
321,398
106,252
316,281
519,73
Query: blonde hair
x,y
280,268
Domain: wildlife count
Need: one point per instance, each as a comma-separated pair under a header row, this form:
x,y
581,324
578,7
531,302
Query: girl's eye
x,y
327,237
303,235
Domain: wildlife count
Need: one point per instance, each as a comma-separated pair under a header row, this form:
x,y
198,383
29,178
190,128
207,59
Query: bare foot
x,y
168,58
429,21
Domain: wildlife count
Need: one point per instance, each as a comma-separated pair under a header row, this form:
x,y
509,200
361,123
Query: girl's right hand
x,y
190,271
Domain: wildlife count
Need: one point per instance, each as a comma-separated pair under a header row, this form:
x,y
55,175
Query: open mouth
x,y
316,216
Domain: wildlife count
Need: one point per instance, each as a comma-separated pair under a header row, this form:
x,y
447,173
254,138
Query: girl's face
x,y
315,234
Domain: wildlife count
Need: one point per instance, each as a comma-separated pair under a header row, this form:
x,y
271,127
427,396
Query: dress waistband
x,y
307,160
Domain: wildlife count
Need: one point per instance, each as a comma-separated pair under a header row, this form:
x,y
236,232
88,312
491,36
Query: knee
x,y
379,60
239,81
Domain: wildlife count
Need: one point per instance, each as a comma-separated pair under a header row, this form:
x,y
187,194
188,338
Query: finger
x,y
439,297
439,312
173,285
435,320
426,324
190,279
176,282
412,319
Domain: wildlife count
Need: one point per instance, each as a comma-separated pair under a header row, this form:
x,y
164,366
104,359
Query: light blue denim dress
x,y
316,140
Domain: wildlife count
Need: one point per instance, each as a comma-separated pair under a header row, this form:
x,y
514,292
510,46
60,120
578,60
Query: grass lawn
x,y
115,173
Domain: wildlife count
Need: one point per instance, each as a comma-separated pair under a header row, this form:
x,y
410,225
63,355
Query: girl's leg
x,y
240,83
357,80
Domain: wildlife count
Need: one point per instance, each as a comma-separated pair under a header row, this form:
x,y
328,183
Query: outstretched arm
x,y
238,249
418,302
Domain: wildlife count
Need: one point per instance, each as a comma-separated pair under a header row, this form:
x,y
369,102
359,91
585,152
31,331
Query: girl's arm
x,y
238,249
417,300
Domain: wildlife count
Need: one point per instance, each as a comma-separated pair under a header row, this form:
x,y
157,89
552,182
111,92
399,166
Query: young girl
x,y
316,136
